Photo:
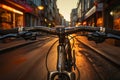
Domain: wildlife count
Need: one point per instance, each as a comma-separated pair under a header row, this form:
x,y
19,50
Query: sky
x,y
65,7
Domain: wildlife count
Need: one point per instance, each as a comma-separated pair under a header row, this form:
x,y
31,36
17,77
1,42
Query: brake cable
x,y
48,54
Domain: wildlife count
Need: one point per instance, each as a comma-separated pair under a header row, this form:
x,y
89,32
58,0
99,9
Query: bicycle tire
x,y
60,76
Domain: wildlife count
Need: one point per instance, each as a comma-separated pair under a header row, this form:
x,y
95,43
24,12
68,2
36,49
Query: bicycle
x,y
65,56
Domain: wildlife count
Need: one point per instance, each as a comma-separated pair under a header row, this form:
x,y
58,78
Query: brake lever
x,y
7,36
113,36
98,37
27,35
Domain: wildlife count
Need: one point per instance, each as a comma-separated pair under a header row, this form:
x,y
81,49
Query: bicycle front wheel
x,y
60,77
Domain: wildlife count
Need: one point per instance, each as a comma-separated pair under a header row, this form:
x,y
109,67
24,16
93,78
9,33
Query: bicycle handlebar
x,y
7,36
70,30
111,31
65,30
8,31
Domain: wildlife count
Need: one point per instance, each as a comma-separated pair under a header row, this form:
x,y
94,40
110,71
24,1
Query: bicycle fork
x,y
61,65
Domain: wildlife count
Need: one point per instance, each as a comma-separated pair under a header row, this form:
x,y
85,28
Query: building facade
x,y
111,14
73,17
90,12
98,13
53,15
12,13
33,18
20,13
111,17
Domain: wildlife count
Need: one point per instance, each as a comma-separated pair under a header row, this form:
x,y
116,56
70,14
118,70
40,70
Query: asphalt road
x,y
28,62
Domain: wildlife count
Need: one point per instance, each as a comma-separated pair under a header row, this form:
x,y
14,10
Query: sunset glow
x,y
65,7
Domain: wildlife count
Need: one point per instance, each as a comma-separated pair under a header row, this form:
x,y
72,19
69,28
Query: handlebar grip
x,y
7,36
8,31
112,31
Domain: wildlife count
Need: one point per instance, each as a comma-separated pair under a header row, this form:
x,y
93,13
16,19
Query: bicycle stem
x,y
61,50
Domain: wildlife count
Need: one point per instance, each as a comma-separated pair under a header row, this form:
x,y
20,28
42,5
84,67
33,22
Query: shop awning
x,y
21,4
99,7
10,9
90,12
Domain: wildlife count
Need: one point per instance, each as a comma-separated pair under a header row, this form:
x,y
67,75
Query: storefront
x,y
115,13
116,17
112,18
12,13
94,16
10,17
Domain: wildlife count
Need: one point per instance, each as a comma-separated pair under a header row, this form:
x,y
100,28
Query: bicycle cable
x,y
48,54
73,37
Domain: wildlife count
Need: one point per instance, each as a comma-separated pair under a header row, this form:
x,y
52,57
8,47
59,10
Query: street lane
x,y
15,63
28,62
106,69
87,72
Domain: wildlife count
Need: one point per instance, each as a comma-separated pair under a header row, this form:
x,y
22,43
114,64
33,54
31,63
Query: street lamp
x,y
40,7
111,13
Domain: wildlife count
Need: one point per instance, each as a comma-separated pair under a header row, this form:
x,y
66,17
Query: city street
x,y
28,62
35,35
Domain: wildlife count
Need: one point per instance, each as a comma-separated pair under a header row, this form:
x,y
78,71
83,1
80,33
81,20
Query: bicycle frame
x,y
63,56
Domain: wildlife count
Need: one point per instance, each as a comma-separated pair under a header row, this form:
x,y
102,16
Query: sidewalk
x,y
17,43
5,46
110,52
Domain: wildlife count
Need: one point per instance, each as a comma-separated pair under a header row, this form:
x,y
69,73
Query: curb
x,y
101,53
